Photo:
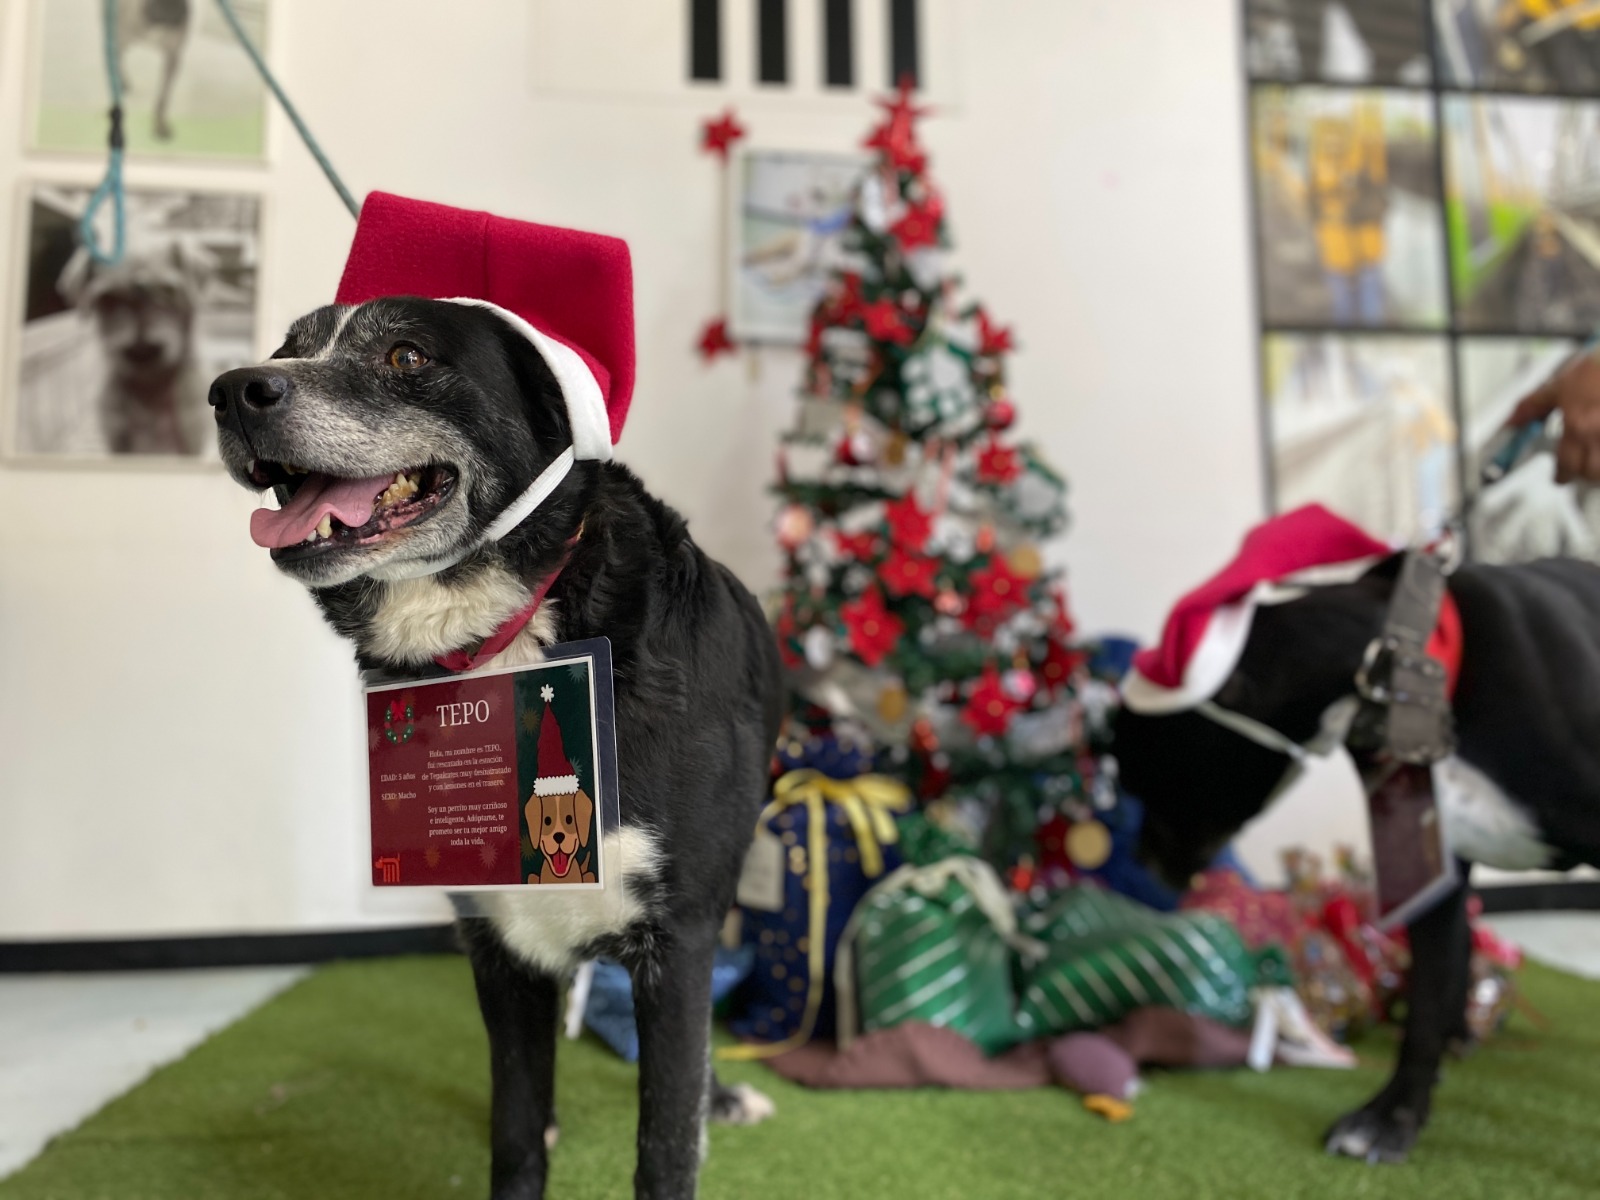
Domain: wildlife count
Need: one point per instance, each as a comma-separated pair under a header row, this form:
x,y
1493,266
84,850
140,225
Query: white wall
x,y
179,740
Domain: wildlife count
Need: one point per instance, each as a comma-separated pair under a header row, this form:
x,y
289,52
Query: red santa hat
x,y
1206,632
569,293
556,776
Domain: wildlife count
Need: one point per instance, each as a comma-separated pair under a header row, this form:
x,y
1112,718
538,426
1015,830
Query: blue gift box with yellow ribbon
x,y
832,839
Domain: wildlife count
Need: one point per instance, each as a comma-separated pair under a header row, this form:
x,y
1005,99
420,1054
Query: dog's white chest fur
x,y
1482,824
545,926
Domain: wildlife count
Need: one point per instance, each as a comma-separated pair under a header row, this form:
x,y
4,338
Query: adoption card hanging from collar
x,y
496,780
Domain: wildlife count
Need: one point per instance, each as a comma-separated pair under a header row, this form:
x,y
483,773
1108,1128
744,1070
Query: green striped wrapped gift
x,y
1107,955
932,944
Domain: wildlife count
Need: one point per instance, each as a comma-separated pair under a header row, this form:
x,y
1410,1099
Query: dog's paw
x,y
741,1104
1378,1133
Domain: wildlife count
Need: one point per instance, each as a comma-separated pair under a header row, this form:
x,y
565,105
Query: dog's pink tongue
x,y
350,500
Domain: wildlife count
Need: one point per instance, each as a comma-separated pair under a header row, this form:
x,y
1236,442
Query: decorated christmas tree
x,y
916,614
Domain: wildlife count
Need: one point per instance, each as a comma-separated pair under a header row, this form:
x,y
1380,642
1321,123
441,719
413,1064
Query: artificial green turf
x,y
369,1080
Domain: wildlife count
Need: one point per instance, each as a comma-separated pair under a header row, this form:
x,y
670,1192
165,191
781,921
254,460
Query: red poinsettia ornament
x,y
874,630
714,340
909,526
886,322
909,574
919,226
996,591
857,547
1058,665
999,464
989,709
717,136
992,338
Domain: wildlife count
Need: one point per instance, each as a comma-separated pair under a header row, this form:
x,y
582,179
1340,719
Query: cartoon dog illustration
x,y
559,826
560,813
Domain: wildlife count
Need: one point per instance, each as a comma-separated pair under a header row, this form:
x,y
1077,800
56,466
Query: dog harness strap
x,y
458,661
1444,646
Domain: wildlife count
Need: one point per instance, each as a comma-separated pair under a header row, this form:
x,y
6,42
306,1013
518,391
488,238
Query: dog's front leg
x,y
673,1008
1384,1129
171,56
520,1012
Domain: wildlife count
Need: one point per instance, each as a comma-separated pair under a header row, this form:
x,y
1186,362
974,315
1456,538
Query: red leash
x,y
458,661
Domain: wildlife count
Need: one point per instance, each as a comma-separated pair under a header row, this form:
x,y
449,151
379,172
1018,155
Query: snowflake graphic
x,y
547,693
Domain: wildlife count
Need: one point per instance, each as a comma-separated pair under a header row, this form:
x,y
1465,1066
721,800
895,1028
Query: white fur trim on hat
x,y
586,407
1209,667
555,785
1224,640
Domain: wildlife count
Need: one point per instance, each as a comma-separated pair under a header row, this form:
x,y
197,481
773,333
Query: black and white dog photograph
x,y
116,360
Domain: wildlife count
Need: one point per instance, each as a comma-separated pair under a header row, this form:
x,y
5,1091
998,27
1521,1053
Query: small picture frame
x,y
789,211
112,364
190,92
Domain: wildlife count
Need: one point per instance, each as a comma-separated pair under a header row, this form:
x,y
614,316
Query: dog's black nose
x,y
559,837
249,387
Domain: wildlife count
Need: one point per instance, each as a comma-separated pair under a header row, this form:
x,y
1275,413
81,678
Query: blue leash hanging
x,y
111,187
271,81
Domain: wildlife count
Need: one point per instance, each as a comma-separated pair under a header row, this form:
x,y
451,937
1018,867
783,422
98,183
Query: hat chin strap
x,y
514,514
591,439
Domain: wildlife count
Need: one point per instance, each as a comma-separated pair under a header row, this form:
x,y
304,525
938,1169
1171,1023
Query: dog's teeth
x,y
403,488
251,469
325,526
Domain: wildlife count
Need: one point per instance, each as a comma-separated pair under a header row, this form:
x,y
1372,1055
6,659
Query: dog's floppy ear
x,y
583,814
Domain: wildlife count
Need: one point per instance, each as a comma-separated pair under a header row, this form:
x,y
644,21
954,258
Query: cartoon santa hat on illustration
x,y
556,775
569,293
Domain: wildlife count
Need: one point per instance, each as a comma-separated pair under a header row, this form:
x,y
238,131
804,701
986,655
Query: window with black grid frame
x,y
1426,197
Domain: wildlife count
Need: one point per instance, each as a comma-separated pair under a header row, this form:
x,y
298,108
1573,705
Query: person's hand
x,y
1575,390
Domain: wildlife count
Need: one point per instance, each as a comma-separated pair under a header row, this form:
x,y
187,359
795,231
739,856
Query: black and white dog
x,y
1521,792
421,420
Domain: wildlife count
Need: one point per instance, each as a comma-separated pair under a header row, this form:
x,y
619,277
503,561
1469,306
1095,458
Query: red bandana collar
x,y
459,661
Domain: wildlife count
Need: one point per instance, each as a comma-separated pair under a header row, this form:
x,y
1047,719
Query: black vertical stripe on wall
x,y
772,41
705,39
903,43
838,44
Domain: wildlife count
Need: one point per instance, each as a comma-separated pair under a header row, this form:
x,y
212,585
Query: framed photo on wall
x,y
190,90
1522,177
790,210
1527,515
1349,227
1365,426
1338,41
114,363
1426,200
1528,45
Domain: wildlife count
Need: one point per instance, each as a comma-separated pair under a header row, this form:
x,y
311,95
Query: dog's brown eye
x,y
569,818
547,820
406,357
